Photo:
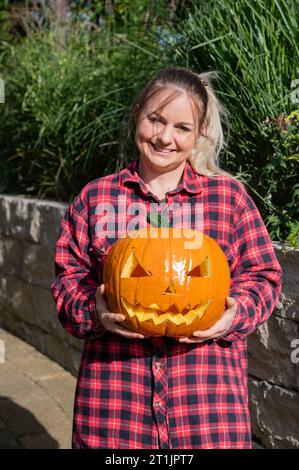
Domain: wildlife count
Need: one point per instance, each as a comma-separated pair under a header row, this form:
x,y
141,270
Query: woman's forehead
x,y
174,100
160,98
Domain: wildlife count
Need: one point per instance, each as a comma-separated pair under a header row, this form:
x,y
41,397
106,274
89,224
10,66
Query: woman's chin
x,y
163,164
163,160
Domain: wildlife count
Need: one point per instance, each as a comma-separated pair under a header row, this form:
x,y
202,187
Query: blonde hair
x,y
205,155
211,141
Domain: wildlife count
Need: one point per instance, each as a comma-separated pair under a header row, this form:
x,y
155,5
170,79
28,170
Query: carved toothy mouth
x,y
150,313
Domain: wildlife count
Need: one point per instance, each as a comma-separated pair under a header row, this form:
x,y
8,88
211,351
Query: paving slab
x,y
36,398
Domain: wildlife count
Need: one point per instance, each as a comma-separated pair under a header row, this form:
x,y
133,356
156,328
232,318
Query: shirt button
x,y
158,404
158,365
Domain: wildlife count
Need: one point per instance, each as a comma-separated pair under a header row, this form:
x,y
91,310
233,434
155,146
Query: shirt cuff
x,y
92,327
237,322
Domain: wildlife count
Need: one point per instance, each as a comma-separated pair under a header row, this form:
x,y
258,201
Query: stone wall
x,y
28,233
273,360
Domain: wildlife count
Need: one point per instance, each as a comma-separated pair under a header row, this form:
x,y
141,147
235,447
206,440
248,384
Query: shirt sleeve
x,y
256,274
76,280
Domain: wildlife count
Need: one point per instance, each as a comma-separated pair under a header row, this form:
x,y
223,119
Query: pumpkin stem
x,y
156,219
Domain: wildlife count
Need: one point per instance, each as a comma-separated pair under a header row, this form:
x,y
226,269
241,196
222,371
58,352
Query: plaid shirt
x,y
157,392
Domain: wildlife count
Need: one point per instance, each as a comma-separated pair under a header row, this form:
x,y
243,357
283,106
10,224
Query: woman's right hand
x,y
110,320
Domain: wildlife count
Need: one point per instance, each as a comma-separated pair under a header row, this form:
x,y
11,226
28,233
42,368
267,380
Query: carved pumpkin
x,y
167,286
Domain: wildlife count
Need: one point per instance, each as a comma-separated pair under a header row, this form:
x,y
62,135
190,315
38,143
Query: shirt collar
x,y
191,181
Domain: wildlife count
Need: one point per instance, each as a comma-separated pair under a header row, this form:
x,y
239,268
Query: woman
x,y
137,392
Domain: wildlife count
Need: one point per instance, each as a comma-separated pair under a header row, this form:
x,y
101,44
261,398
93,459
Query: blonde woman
x,y
158,392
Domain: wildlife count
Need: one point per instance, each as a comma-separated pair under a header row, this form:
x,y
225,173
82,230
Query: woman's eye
x,y
153,118
157,120
184,129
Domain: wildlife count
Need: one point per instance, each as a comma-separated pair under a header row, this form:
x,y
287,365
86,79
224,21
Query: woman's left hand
x,y
218,329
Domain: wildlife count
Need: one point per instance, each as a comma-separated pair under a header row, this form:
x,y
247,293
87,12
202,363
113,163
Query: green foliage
x,y
68,90
65,102
254,46
281,195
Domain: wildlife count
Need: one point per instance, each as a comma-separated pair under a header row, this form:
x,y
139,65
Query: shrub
x,y
65,102
254,45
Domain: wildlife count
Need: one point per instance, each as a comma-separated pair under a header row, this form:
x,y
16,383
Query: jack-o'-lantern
x,y
167,285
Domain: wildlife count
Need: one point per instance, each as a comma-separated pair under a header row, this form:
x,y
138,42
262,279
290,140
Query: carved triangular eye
x,y
195,272
133,268
201,270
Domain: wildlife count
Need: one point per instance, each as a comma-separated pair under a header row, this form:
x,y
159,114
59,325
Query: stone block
x,y
269,352
288,258
29,262
66,351
274,414
11,256
30,303
29,219
38,265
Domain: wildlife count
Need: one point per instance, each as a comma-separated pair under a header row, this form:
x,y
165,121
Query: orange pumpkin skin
x,y
167,286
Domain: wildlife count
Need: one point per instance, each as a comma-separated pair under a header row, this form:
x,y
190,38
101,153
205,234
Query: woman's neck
x,y
160,183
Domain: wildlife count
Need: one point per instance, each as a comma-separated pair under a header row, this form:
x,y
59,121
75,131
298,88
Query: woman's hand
x,y
110,320
218,329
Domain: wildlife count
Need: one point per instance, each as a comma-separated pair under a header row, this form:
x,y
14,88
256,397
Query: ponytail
x,y
205,155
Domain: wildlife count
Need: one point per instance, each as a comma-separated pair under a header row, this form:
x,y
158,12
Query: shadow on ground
x,y
19,429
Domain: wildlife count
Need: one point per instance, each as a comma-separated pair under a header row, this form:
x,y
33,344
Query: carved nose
x,y
170,289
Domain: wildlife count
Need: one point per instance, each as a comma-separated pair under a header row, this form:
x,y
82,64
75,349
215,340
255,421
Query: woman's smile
x,y
160,150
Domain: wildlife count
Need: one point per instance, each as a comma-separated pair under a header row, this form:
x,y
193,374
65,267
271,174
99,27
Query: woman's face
x,y
165,137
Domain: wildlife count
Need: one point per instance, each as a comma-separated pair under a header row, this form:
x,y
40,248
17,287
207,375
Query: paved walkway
x,y
36,398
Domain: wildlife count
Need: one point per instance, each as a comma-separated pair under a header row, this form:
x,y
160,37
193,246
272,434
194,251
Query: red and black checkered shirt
x,y
157,392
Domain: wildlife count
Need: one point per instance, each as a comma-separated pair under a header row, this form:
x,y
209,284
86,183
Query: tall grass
x,y
61,124
67,100
254,45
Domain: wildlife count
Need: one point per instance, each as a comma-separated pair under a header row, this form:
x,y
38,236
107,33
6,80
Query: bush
x,y
69,88
281,174
254,45
65,102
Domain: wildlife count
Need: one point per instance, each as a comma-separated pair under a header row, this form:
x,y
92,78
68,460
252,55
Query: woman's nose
x,y
166,135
